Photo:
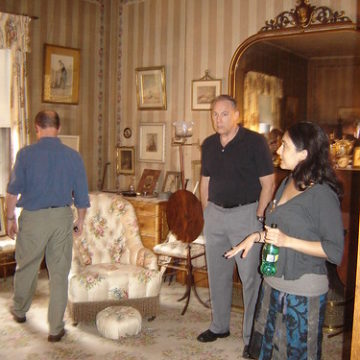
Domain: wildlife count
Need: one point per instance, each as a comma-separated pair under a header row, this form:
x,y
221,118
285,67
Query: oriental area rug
x,y
169,336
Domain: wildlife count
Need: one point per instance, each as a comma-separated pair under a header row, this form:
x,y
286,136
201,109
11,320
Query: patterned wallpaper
x,y
116,36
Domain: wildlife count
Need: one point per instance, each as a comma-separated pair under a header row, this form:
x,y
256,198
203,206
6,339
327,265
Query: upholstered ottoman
x,y
115,322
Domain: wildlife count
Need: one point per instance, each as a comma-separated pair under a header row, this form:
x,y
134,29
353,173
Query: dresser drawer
x,y
151,215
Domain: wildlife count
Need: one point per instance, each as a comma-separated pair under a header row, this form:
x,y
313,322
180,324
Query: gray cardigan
x,y
312,215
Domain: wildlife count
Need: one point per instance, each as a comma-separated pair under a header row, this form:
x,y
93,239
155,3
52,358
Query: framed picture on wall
x,y
125,160
152,142
2,216
61,74
203,92
72,141
151,88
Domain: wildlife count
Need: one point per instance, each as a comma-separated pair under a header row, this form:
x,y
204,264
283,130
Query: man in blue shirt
x,y
47,175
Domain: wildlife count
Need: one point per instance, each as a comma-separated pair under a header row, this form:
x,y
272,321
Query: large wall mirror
x,y
302,65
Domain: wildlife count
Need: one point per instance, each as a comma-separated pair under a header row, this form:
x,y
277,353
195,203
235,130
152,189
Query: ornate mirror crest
x,y
305,15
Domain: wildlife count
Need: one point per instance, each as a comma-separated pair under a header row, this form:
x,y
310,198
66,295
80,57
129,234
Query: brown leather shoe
x,y
18,319
56,338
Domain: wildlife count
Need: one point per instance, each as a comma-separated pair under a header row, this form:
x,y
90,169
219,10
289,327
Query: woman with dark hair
x,y
306,209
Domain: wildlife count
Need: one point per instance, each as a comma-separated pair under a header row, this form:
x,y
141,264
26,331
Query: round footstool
x,y
115,322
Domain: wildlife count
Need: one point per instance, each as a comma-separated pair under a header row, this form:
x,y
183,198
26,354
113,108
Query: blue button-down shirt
x,y
49,174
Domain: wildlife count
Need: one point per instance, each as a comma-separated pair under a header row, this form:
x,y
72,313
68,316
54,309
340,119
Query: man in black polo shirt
x,y
237,183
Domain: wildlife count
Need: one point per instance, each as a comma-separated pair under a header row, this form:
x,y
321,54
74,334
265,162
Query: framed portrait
x,y
2,216
61,74
172,181
151,88
148,181
203,92
152,142
125,160
356,157
72,141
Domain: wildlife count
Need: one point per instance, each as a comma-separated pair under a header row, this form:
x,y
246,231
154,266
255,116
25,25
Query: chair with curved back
x,y
184,248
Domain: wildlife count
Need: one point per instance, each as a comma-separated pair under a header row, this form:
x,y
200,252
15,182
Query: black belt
x,y
231,206
56,207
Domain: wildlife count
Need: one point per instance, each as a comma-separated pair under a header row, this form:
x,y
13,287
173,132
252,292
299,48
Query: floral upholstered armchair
x,y
110,265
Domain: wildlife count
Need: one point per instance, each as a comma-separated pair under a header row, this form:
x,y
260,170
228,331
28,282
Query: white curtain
x,y
14,35
256,84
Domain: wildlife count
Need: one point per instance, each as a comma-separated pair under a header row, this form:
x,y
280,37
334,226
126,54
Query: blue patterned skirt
x,y
287,326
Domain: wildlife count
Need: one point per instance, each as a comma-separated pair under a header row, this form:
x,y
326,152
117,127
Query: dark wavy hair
x,y
317,167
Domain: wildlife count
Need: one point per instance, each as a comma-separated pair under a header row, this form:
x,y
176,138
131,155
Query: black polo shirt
x,y
234,170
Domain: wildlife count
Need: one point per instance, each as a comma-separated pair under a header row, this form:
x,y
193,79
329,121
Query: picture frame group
x,y
152,142
61,74
151,88
125,160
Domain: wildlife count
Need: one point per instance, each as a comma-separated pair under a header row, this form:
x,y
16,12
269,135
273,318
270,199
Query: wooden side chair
x,y
184,248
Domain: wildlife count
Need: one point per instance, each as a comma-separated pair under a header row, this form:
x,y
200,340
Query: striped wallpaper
x,y
116,36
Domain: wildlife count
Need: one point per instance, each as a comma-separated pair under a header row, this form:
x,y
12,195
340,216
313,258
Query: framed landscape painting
x,y
151,88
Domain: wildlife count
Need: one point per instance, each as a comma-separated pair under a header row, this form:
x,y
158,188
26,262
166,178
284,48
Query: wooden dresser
x,y
151,214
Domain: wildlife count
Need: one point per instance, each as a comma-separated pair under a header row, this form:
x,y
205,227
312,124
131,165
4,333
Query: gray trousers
x,y
224,228
44,232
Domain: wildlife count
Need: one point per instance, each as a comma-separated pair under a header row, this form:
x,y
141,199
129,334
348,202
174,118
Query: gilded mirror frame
x,y
305,19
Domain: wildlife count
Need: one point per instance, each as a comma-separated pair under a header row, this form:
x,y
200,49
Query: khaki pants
x,y
44,232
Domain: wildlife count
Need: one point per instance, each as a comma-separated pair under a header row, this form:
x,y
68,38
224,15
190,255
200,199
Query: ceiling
x,y
320,44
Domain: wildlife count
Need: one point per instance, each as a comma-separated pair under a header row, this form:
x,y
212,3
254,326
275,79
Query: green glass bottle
x,y
269,258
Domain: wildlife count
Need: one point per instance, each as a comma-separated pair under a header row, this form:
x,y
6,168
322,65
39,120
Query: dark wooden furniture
x,y
185,220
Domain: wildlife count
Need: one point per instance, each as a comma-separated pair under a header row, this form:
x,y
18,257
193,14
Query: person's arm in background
x,y
204,190
267,192
11,226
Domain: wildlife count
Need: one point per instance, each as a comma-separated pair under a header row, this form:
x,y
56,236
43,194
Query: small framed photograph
x,y
2,216
204,91
356,157
172,181
125,160
148,181
152,142
72,141
151,88
61,75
